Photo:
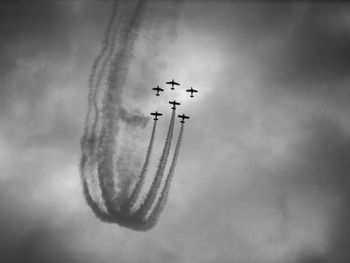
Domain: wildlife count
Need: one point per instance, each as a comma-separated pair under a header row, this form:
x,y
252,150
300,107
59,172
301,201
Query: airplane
x,y
183,117
156,114
191,90
172,84
174,103
158,89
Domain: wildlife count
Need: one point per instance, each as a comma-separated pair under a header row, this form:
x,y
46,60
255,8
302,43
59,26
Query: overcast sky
x,y
263,173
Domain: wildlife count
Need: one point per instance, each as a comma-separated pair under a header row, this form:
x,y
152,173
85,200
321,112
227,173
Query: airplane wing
x,y
160,89
175,83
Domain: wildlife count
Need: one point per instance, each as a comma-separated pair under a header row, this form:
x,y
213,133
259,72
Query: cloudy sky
x,y
264,165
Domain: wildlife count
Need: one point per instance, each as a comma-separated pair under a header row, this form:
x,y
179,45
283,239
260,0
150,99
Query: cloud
x,y
262,174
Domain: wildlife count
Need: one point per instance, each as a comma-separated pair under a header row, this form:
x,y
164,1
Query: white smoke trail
x,y
103,61
89,140
99,68
112,102
141,179
152,193
103,216
158,208
99,160
105,171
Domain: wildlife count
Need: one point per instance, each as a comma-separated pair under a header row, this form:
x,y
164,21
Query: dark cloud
x,y
34,34
315,52
29,25
299,46
325,153
38,245
263,169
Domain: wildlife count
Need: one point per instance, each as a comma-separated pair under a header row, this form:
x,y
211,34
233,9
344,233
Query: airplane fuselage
x,y
156,114
157,89
191,90
172,83
183,117
174,103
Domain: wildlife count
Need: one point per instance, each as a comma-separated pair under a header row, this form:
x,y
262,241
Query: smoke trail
x,y
97,71
141,179
112,101
133,118
157,210
101,63
89,139
152,193
103,216
106,170
93,159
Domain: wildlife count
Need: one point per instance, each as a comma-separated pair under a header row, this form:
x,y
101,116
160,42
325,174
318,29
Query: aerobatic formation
x,y
113,188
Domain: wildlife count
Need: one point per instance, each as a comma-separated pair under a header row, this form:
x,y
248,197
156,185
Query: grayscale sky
x,y
263,173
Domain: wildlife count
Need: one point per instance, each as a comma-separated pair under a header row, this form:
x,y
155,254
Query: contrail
x,y
106,168
102,61
152,193
141,179
103,216
158,208
98,152
117,76
97,70
89,140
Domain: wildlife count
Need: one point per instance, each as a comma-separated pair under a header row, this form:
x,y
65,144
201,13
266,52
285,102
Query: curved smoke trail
x,y
105,170
151,196
89,140
141,179
103,216
94,149
112,102
99,68
158,208
104,58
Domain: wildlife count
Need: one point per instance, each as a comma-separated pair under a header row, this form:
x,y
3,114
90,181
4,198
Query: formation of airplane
x,y
191,90
158,90
183,117
156,114
172,83
174,103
